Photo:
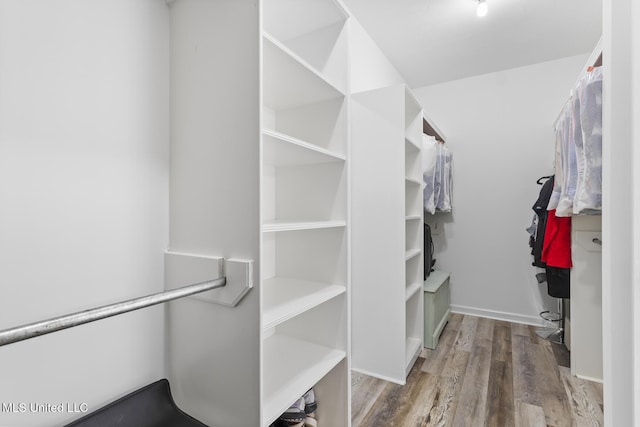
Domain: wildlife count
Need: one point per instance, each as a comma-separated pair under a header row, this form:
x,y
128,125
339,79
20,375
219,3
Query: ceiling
x,y
433,41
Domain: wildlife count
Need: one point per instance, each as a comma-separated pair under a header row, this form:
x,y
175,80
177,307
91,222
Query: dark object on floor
x,y
150,406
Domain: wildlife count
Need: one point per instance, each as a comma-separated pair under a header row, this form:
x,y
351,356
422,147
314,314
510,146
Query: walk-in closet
x,y
319,213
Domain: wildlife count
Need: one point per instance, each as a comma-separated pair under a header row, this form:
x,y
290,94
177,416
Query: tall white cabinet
x,y
260,169
387,232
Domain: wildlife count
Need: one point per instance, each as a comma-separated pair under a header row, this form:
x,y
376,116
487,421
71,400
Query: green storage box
x,y
436,306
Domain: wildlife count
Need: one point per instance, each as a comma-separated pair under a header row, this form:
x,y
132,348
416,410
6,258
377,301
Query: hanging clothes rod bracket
x,y
184,268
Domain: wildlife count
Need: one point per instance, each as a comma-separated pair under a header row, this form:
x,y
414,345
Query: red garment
x,y
556,250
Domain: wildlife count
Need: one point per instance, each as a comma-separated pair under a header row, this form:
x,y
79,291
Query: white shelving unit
x,y
387,232
304,209
260,169
414,229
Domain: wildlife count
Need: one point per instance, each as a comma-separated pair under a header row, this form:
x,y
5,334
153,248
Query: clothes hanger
x,y
543,177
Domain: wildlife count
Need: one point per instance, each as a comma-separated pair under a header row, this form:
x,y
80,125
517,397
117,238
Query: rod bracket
x,y
181,269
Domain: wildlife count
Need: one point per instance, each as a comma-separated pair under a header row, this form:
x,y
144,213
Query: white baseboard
x,y
499,315
595,380
380,377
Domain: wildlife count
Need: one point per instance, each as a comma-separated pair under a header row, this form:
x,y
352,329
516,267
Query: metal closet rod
x,y
31,330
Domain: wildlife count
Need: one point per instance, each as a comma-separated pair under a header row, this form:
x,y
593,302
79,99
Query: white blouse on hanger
x,y
437,175
578,154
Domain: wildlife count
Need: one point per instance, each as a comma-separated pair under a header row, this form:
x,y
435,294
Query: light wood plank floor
x,y
483,373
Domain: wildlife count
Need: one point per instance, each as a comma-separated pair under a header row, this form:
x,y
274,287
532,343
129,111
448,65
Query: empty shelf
x,y
412,253
411,145
413,181
285,298
289,81
275,226
285,150
412,289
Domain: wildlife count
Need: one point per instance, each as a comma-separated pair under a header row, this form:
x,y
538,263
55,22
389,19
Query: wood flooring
x,y
483,373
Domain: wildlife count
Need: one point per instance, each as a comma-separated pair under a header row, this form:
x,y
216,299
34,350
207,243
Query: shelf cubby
x,y
412,289
413,166
412,235
413,269
300,103
285,298
413,198
317,255
301,351
285,74
411,145
306,193
315,31
294,365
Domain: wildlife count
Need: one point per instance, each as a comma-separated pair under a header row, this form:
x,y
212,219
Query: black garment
x,y
558,279
558,282
540,208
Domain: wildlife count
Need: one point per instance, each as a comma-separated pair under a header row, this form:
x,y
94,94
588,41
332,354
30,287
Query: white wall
x,y
370,69
499,128
84,110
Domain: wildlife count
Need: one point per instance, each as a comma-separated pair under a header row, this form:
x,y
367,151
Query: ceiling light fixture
x,y
482,8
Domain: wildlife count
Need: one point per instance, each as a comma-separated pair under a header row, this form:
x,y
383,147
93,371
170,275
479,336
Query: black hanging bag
x,y
429,262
